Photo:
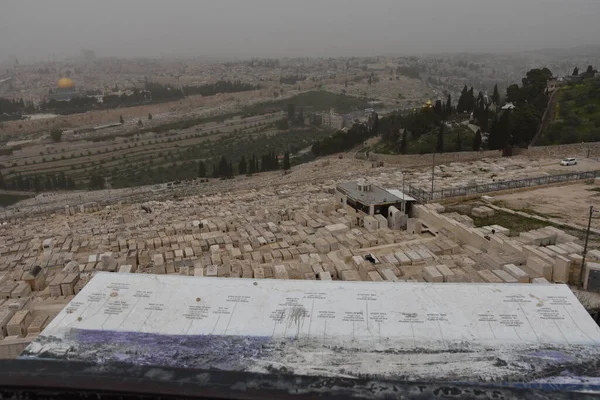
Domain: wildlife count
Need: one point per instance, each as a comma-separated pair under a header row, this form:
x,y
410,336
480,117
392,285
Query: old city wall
x,y
442,158
580,150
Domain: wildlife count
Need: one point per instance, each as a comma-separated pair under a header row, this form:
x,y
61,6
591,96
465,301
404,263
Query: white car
x,y
569,161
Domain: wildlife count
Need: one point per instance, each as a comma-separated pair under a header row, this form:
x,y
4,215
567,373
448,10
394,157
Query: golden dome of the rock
x,y
65,83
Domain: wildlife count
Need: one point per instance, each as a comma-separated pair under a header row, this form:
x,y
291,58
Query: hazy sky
x,y
40,28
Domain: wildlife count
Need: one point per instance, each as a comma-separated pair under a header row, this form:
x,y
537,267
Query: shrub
x,y
56,134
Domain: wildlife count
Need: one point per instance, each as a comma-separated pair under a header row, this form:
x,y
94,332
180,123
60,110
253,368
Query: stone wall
x,y
442,158
581,150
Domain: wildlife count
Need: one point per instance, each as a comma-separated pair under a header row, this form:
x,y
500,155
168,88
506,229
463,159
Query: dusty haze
x,y
42,30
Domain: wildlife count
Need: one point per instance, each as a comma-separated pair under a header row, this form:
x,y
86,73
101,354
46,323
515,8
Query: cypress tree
x,y
251,166
461,107
286,161
242,166
477,140
496,95
440,139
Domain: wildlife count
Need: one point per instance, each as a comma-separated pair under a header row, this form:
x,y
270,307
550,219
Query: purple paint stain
x,y
551,355
199,351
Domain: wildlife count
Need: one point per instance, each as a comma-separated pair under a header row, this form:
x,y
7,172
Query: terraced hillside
x,y
150,157
133,154
576,114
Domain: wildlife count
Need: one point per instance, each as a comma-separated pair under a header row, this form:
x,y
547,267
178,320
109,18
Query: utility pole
x,y
403,202
432,176
587,236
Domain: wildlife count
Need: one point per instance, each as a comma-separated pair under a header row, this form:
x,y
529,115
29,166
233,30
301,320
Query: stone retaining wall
x,y
442,158
579,150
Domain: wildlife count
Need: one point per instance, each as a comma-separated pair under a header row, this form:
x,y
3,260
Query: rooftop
x,y
403,196
376,195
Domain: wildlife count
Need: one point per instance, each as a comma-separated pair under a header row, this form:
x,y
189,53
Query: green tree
x,y
252,165
524,124
201,170
437,108
300,118
291,111
56,134
500,138
440,139
225,169
496,95
470,101
576,71
242,166
449,106
513,94
374,125
282,124
477,140
286,161
463,102
458,141
49,183
404,142
37,186
62,180
96,182
149,116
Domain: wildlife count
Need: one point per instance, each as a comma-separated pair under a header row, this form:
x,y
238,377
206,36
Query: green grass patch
x,y
9,199
576,115
518,224
515,223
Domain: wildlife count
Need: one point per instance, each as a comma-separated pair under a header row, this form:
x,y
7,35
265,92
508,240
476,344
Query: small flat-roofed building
x,y
406,201
365,197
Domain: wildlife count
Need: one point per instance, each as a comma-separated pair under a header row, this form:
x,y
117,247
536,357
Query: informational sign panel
x,y
455,332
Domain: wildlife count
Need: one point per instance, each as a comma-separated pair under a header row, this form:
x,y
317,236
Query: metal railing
x,y
425,196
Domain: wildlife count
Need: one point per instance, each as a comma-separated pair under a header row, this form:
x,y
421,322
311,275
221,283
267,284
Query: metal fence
x,y
425,196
